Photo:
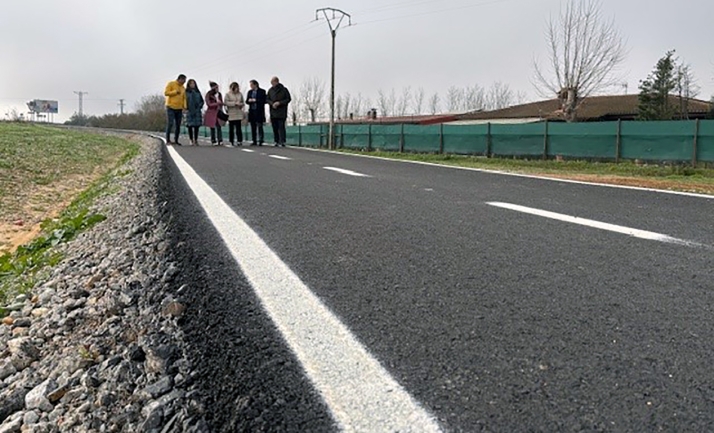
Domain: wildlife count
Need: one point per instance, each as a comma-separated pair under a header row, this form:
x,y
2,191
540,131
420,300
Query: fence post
x,y
401,140
342,136
300,135
489,144
320,146
618,143
369,137
696,143
441,138
545,141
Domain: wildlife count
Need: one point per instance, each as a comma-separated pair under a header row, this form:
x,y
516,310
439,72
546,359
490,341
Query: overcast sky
x,y
129,48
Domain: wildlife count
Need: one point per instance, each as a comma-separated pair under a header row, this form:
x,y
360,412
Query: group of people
x,y
184,96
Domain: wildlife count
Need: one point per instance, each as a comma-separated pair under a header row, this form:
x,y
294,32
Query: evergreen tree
x,y
655,90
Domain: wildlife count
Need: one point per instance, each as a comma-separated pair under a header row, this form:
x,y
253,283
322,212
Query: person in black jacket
x,y
256,100
278,99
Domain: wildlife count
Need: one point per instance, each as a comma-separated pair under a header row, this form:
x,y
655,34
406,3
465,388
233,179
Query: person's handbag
x,y
222,116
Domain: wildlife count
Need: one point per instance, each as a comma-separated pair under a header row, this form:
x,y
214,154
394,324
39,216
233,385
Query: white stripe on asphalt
x,y
347,172
507,173
248,150
360,393
282,158
642,234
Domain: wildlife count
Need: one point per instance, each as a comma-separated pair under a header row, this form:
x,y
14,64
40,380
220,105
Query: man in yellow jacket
x,y
175,104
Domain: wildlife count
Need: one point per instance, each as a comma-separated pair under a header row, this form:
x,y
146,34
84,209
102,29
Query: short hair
x,y
255,82
212,84
234,85
181,77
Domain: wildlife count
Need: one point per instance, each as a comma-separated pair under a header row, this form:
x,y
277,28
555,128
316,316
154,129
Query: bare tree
x,y
13,115
312,95
584,51
339,102
387,103
499,96
687,88
358,104
434,103
454,99
346,106
405,101
418,101
474,98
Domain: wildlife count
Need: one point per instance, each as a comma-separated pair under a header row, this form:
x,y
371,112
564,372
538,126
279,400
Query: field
x,y
49,177
42,170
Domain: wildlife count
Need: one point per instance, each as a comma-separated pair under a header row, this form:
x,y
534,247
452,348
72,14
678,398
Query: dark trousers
x,y
173,118
256,130
235,131
217,130
193,133
279,130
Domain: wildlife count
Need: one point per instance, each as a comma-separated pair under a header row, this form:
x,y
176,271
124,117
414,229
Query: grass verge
x,y
669,177
29,264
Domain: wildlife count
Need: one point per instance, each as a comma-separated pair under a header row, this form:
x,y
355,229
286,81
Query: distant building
x,y
593,109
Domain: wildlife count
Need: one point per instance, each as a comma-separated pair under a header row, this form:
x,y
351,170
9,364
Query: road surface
x,y
494,302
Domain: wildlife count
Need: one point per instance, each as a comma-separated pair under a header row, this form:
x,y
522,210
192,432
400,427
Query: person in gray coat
x,y
278,100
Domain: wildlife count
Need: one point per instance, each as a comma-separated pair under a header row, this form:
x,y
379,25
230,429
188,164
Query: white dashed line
x,y
248,150
347,172
641,234
282,158
360,393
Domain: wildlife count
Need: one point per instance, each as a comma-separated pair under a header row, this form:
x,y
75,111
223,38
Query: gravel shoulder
x,y
98,346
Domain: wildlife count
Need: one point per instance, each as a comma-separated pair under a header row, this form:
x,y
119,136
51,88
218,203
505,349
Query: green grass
x,y
63,154
33,156
677,177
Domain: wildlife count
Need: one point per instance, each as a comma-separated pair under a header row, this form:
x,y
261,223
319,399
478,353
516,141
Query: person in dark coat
x,y
278,99
194,103
214,102
256,100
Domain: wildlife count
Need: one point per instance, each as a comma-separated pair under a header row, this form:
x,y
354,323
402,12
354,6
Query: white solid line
x,y
506,173
282,158
642,234
347,172
360,393
248,150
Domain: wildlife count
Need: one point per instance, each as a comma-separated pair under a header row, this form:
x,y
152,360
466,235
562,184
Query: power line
x,y
419,14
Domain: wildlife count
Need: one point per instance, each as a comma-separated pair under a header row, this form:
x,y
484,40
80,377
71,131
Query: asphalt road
x,y
492,319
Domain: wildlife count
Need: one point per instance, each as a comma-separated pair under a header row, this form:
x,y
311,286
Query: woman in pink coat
x,y
214,102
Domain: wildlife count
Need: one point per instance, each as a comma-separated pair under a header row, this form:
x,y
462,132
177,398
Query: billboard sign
x,y
43,106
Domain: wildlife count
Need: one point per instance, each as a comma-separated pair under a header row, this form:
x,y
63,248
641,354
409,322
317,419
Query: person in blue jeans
x,y
175,104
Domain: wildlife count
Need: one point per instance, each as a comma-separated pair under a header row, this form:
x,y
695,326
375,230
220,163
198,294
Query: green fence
x,y
666,141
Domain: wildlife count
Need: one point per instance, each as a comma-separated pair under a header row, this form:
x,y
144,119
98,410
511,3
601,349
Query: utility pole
x,y
81,101
331,16
121,106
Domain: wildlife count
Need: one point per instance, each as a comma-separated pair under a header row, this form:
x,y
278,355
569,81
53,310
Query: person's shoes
x,y
277,144
281,144
240,143
253,144
215,144
177,143
226,145
260,144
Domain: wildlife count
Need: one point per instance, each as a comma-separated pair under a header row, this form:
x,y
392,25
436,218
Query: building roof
x,y
409,120
594,108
